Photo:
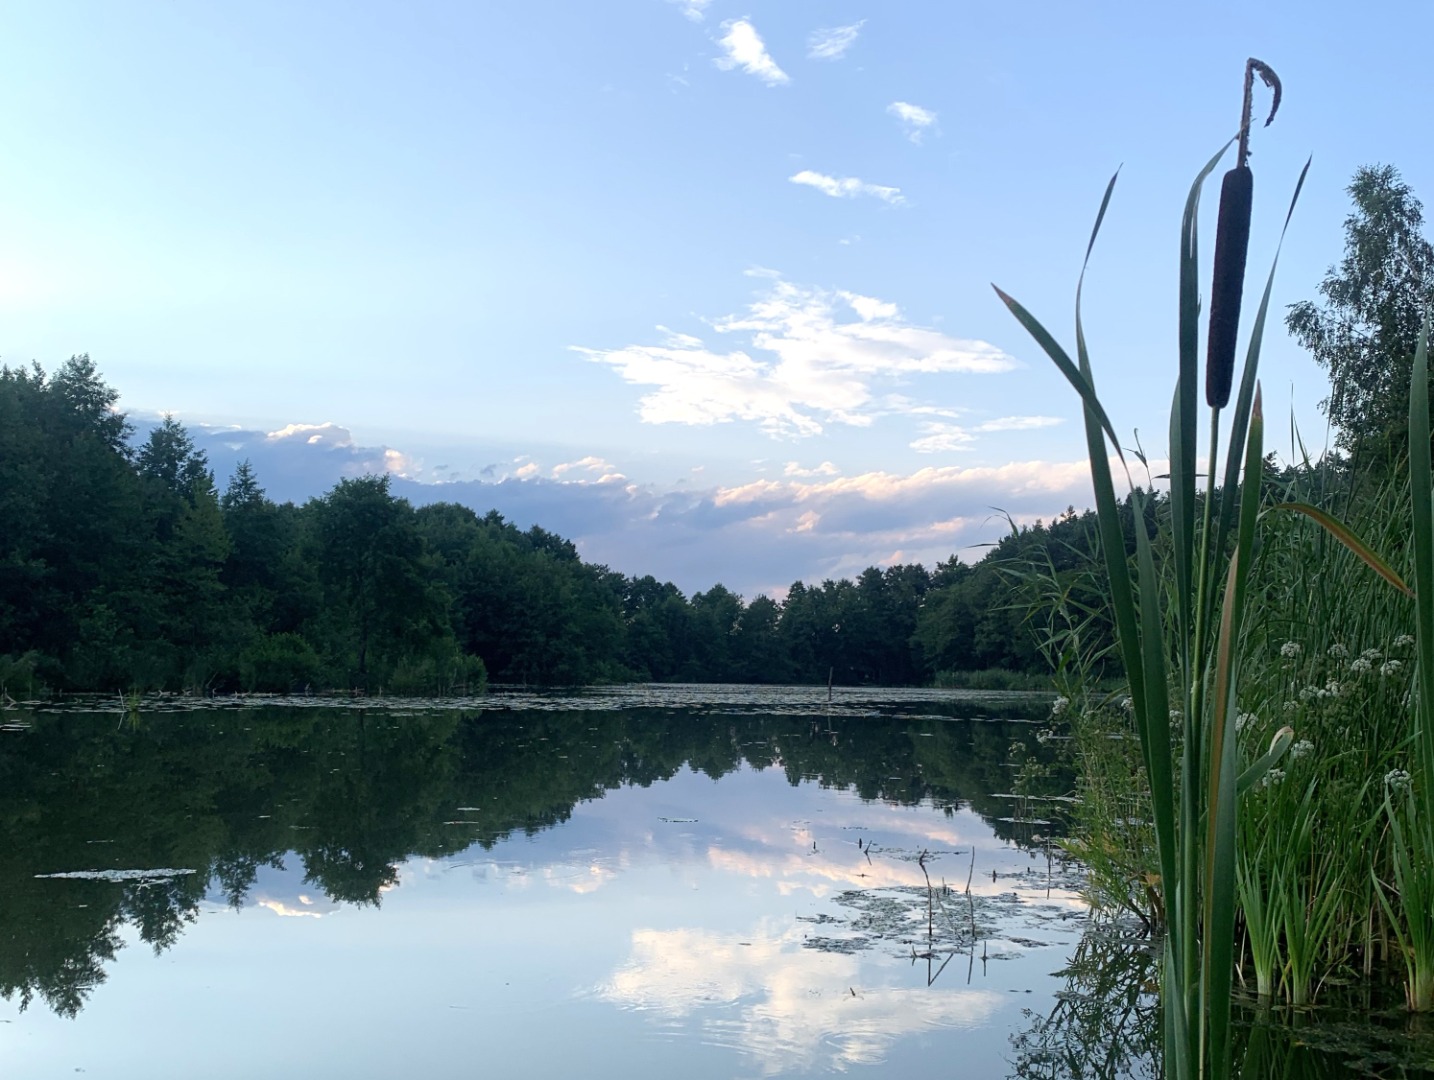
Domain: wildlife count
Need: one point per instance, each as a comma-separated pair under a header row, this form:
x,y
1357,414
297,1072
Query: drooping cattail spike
x,y
1232,243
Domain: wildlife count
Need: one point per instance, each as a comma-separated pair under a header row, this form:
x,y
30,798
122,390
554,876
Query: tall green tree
x,y
1365,332
382,603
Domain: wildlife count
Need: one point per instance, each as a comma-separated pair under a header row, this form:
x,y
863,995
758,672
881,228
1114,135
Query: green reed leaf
x,y
1419,482
1257,769
1347,537
1240,418
1218,939
1183,414
1063,362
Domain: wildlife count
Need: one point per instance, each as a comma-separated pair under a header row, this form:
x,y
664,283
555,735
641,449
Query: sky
x,y
704,286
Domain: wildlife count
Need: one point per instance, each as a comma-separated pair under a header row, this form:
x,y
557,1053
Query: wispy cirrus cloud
x,y
803,358
743,47
915,121
695,10
831,43
847,187
1020,423
940,437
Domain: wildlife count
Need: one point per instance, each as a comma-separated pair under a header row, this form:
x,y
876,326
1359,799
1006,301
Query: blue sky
x,y
704,283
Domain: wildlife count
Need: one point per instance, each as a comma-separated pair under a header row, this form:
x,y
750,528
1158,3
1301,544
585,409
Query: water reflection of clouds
x,y
746,828
791,1007
306,909
283,890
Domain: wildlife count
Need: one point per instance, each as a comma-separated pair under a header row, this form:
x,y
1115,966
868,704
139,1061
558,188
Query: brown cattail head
x,y
1232,241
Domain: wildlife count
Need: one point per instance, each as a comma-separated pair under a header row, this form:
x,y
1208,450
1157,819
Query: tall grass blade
x,y
1347,537
1062,361
1220,805
1419,480
1183,417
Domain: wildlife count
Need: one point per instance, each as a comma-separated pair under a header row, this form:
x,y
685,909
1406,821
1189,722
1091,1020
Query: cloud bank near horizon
x,y
792,521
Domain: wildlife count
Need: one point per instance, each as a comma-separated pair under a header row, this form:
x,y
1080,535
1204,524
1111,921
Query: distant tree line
x,y
125,567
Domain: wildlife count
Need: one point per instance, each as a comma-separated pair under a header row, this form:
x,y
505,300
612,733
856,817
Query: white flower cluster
x,y
1060,705
1303,748
1290,649
1403,641
1397,780
1127,704
1338,651
1389,667
1244,720
1360,664
1272,778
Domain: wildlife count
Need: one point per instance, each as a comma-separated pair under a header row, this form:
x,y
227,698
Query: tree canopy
x,y
124,567
1366,331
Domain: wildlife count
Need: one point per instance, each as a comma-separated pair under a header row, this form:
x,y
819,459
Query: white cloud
x,y
939,437
832,42
398,463
804,362
598,470
869,308
942,438
1020,423
914,119
847,187
693,9
826,468
744,48
325,434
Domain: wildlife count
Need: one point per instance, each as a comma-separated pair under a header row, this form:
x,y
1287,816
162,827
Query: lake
x,y
636,882
720,881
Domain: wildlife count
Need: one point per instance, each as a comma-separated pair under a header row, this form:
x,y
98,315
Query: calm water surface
x,y
710,882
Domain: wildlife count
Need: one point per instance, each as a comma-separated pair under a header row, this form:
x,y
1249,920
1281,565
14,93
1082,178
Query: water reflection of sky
x,y
661,930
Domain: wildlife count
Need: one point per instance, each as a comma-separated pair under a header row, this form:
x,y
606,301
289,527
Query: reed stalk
x,y
1180,647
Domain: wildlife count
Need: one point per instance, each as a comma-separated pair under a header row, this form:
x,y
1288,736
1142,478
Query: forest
x,y
124,567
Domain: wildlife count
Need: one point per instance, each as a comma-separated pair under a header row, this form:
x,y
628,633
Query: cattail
x,y
1232,241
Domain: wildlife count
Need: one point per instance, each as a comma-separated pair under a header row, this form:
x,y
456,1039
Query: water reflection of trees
x,y
1105,1022
1105,1026
351,795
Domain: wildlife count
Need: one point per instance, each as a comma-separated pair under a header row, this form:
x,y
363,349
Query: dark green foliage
x,y
1374,300
122,570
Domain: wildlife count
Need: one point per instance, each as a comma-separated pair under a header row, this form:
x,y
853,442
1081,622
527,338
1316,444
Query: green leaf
x,y
1183,414
1256,770
1347,537
1218,939
1240,419
1063,362
1419,482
